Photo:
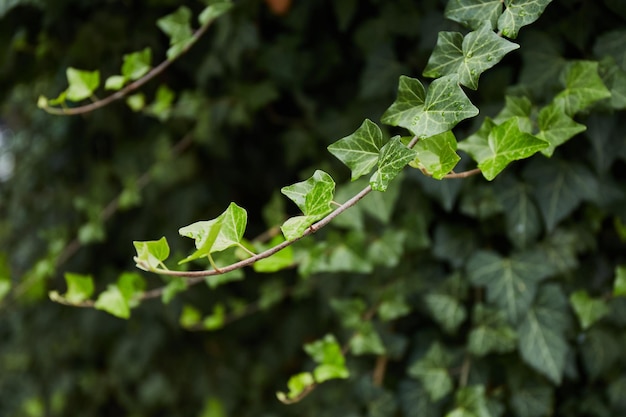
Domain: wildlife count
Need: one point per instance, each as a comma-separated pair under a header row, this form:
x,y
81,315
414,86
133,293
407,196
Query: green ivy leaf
x,y
82,84
359,151
437,154
583,87
589,310
297,384
542,343
280,260
190,317
131,285
556,127
178,28
446,310
531,396
393,307
366,341
490,332
79,287
114,82
468,56
519,13
432,371
162,104
499,147
559,187
394,156
470,402
327,353
619,286
137,64
313,197
516,107
215,320
152,253
213,11
511,282
113,302
428,114
473,13
218,234
523,220
5,276
173,287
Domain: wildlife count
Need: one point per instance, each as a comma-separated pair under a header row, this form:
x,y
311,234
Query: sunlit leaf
x,y
496,146
82,84
519,13
467,56
427,114
79,287
359,151
589,310
511,282
394,156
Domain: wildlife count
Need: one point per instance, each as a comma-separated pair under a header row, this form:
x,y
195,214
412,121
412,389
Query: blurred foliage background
x,y
255,104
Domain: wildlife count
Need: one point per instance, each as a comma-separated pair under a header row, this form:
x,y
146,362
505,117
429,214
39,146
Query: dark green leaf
x,y
428,114
530,396
556,127
432,371
470,401
519,13
468,56
437,154
136,64
523,221
602,350
394,156
473,13
502,145
511,282
446,310
490,332
359,151
583,88
366,341
589,310
393,307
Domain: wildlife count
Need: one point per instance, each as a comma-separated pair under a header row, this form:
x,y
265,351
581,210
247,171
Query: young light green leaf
x,y
445,310
114,82
556,127
503,144
511,282
215,320
5,276
490,332
218,234
177,26
468,56
136,64
162,104
175,286
619,286
589,310
113,302
437,154
542,343
432,371
583,88
79,287
473,13
428,114
519,13
190,317
82,84
136,102
359,151
131,285
327,353
151,253
470,401
280,260
297,384
294,227
213,11
394,156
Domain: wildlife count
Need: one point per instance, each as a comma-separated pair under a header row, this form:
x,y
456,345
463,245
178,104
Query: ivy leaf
x,y
177,27
437,154
218,234
429,114
523,220
151,252
470,402
297,384
530,395
313,197
213,11
589,310
619,287
499,147
327,353
473,13
393,307
82,84
520,13
432,371
516,106
114,82
583,87
175,286
113,302
394,156
542,342
468,56
490,332
446,310
5,277
511,282
79,288
359,151
280,260
556,127
559,187
136,64
366,341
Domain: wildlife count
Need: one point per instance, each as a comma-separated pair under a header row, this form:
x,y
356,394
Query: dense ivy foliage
x,y
494,288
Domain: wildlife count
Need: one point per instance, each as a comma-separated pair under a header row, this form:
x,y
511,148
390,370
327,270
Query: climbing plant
x,y
469,265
